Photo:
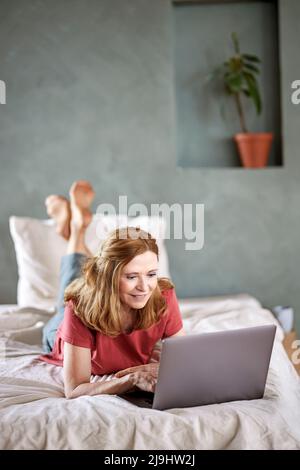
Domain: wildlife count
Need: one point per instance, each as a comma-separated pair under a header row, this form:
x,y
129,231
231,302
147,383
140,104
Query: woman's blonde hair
x,y
95,295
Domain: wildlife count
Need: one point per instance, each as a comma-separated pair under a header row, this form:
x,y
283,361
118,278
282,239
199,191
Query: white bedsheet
x,y
35,415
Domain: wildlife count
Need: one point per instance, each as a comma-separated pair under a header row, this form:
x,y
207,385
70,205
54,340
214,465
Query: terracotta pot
x,y
254,148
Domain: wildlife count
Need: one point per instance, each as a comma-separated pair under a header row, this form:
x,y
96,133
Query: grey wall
x,y
90,95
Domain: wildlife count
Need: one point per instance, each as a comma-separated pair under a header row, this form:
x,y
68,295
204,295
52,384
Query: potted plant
x,y
239,78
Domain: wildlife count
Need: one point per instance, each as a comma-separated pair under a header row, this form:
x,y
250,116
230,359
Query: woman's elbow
x,y
69,393
73,390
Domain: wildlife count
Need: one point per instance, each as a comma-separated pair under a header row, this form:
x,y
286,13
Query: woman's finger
x,y
121,373
155,356
153,367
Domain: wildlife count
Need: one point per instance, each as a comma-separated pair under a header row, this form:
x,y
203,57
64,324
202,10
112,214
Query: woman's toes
x,y
82,194
81,197
58,208
49,202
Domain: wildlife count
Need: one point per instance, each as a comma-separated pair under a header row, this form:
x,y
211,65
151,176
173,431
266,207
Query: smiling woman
x,y
113,307
137,282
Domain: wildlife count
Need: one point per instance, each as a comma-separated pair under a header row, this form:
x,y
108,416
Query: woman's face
x,y
138,280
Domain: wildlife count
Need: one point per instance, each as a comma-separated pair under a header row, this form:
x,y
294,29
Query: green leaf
x,y
228,67
252,58
239,73
251,67
235,41
234,82
250,75
236,64
253,91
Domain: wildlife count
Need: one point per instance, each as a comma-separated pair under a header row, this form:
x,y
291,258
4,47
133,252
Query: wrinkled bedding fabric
x,y
34,414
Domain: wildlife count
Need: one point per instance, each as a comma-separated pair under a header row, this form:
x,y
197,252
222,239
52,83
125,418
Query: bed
x,y
34,414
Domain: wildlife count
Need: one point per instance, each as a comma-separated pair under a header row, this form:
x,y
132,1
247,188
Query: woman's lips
x,y
139,296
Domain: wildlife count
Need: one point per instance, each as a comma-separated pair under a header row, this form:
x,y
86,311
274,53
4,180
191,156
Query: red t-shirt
x,y
108,354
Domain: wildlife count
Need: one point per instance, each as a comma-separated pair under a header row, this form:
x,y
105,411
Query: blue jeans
x,y
70,269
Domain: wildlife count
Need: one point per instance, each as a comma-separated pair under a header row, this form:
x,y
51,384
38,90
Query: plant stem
x,y
240,111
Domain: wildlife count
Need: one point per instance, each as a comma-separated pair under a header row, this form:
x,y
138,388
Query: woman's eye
x,y
133,277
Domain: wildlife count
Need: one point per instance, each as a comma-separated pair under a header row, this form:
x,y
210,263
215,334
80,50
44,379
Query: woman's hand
x,y
150,368
144,376
132,381
155,356
145,381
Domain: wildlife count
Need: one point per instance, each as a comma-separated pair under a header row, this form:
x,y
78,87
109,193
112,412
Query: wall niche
x,y
206,118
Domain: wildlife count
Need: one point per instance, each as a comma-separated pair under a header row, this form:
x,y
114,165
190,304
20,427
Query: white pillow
x,y
39,250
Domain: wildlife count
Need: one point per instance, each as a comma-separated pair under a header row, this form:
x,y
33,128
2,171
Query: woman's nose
x,y
142,284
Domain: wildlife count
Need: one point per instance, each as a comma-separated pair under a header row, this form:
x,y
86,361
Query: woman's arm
x,y
77,374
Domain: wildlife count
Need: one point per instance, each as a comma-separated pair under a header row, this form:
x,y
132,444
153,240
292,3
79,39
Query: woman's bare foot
x,y
81,198
58,208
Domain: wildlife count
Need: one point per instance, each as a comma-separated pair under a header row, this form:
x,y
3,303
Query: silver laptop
x,y
207,368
